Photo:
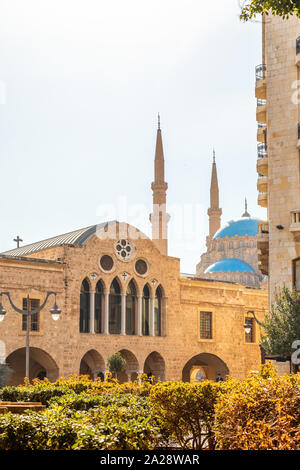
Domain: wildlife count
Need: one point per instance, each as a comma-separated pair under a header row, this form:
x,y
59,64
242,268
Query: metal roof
x,y
77,237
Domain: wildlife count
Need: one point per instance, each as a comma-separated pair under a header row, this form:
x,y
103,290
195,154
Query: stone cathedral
x,y
120,291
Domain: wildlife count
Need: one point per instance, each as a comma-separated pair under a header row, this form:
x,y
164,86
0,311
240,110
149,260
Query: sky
x,y
81,84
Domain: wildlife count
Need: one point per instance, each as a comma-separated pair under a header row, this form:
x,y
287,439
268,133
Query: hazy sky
x,y
81,83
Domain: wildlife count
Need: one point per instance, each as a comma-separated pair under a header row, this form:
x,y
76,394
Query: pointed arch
x,y
115,307
131,308
84,317
99,307
158,311
92,364
146,310
155,367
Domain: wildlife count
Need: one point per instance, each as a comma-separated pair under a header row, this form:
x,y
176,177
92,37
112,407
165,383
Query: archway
x,y
204,366
92,364
132,367
41,365
154,366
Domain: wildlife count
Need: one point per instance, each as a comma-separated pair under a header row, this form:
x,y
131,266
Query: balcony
x,y
262,160
262,132
262,199
260,85
298,52
261,110
295,223
263,247
262,183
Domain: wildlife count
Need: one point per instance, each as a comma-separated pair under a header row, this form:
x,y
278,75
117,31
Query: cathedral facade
x,y
232,252
120,291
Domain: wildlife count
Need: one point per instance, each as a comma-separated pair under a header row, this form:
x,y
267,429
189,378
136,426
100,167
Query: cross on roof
x,y
18,240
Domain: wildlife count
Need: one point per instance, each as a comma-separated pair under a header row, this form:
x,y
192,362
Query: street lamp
x,y
247,324
55,312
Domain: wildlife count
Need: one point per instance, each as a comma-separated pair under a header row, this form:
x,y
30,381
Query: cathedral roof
x,y
230,265
77,237
241,227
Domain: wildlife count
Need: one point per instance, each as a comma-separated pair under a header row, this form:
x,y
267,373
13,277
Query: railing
x,y
295,217
261,102
298,45
262,150
261,125
263,227
260,72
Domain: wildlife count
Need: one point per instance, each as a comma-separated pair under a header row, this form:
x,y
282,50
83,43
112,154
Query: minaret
x,y
159,218
214,212
246,213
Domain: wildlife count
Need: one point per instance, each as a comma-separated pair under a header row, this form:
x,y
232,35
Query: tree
x,y
282,324
116,363
5,373
283,8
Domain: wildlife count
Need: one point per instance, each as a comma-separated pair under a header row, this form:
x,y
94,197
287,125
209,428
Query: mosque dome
x,y
229,265
240,227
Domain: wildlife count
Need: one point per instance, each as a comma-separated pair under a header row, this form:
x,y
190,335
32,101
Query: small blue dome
x,y
240,227
229,265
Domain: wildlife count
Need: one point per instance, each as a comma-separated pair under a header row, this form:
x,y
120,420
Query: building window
x,y
250,337
296,274
34,320
131,307
157,311
115,308
146,311
99,301
84,321
206,325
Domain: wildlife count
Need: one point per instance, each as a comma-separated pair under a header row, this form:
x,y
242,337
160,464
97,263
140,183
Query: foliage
x,y
186,412
259,413
282,324
5,373
116,363
283,8
44,391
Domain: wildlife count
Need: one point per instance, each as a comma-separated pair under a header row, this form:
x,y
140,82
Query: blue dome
x,y
229,265
240,227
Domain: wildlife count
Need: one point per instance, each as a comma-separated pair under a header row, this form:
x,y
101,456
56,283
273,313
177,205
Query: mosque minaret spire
x,y
159,217
214,212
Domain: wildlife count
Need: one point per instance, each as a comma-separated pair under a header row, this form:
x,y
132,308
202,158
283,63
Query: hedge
x,y
260,412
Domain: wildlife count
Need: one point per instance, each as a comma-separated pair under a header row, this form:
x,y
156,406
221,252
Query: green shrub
x,y
259,413
186,412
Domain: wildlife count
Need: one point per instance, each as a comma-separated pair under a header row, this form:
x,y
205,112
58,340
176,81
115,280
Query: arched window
x,y
131,307
84,322
296,274
115,308
99,301
157,311
146,311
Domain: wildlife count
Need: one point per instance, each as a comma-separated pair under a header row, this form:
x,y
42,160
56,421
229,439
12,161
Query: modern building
x,y
278,159
120,291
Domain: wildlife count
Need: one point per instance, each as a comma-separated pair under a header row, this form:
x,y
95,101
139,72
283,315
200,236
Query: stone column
x,y
92,312
139,315
106,313
123,314
151,316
